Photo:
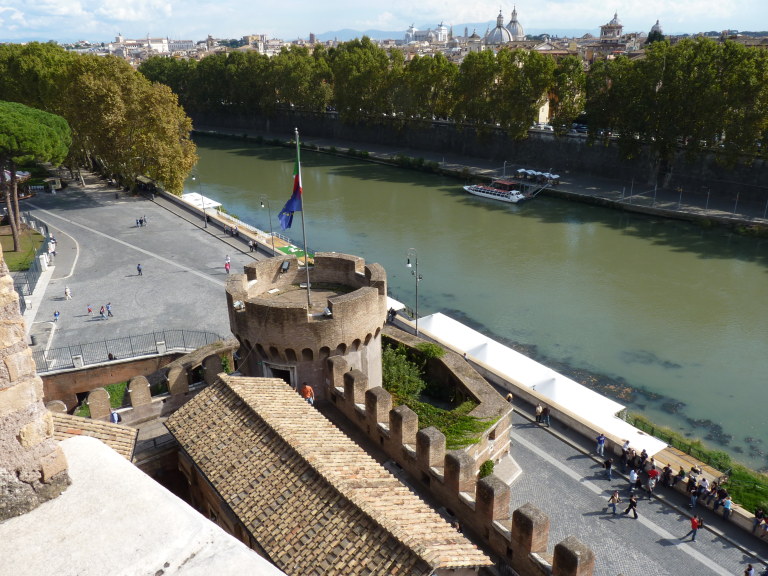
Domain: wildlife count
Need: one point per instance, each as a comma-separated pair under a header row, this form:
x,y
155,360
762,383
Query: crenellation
x,y
378,403
573,558
430,447
530,529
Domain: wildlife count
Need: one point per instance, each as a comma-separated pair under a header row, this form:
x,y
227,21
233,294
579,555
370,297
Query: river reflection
x,y
667,316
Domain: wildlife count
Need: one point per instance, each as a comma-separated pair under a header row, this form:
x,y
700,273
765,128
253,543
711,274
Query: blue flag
x,y
294,202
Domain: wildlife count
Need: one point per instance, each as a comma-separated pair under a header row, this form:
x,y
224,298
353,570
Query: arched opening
x,y
355,345
341,349
325,352
290,355
307,355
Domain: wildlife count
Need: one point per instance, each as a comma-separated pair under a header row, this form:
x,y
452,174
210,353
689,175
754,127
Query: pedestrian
x,y
539,410
308,394
250,245
727,506
90,310
146,220
749,571
613,500
227,259
140,270
624,455
759,515
109,309
102,313
545,415
56,315
632,480
137,223
608,465
693,530
510,398
600,448
632,506
114,417
227,266
67,293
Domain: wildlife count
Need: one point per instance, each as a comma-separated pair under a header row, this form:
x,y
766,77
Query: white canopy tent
x,y
199,201
587,404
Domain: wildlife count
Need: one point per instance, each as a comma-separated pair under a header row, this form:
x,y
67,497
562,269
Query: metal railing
x,y
149,344
25,282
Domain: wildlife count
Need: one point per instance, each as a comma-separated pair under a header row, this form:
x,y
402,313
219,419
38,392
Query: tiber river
x,y
668,318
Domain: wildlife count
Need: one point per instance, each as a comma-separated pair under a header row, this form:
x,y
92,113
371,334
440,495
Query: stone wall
x,y
540,151
33,468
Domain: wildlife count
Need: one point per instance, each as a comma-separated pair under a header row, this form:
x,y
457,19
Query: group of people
x,y
141,222
542,414
232,230
104,312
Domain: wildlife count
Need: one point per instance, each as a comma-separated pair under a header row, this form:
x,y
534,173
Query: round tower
x,y
287,334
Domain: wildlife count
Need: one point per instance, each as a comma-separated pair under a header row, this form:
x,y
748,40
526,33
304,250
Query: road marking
x,y
695,554
128,245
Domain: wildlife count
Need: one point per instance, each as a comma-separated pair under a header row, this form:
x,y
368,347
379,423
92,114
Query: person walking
x,y
608,465
56,315
632,506
140,270
545,413
102,313
749,570
109,310
250,245
227,266
308,394
613,500
90,310
539,410
632,480
693,530
600,447
67,293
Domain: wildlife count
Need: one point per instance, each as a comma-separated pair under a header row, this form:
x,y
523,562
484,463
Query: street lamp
x,y
412,261
265,200
205,214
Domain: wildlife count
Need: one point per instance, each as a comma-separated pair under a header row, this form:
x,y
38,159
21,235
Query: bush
x,y
486,468
430,350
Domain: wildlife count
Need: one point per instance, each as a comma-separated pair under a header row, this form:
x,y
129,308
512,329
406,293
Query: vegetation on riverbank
x,y
747,487
404,379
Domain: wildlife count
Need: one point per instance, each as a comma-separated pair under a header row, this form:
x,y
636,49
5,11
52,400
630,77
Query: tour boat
x,y
502,190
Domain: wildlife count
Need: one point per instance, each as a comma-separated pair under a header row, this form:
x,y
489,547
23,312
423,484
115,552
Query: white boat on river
x,y
501,190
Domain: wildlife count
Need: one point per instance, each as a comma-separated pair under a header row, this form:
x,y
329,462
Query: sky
x,y
102,20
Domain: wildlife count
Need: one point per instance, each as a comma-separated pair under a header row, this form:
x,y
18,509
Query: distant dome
x,y
498,35
656,28
615,20
514,26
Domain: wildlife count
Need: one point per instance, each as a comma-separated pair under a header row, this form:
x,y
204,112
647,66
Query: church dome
x,y
514,27
656,27
615,20
498,35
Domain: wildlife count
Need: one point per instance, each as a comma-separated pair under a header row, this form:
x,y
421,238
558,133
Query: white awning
x,y
199,201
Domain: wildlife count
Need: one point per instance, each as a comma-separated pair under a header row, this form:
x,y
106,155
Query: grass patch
x,y
747,487
30,241
404,379
116,395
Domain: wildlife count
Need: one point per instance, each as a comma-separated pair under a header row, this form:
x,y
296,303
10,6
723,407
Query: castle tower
x,y
32,465
282,336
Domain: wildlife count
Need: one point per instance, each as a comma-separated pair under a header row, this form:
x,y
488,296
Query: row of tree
x,y
695,92
121,123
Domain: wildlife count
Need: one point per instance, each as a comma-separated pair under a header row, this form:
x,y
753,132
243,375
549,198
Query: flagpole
x,y
303,228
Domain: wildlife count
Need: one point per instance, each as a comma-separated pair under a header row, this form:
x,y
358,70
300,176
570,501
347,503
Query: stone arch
x,y
307,355
355,345
261,352
274,354
290,355
376,334
341,349
325,352
368,338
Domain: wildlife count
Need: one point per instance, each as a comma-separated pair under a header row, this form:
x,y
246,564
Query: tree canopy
x,y
122,123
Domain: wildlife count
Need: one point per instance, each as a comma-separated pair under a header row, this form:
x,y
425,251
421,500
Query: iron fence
x,y
121,348
25,282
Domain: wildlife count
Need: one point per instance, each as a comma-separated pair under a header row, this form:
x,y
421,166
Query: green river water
x,y
669,318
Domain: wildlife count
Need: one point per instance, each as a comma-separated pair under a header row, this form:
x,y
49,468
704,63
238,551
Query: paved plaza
x,y
182,287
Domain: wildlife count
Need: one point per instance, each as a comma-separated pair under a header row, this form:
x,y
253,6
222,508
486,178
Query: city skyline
x,y
102,20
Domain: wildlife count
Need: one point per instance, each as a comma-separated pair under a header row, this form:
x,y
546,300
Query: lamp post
x,y
265,200
202,198
412,261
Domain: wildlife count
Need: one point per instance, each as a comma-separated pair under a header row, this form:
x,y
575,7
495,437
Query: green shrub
x,y
486,468
225,367
430,350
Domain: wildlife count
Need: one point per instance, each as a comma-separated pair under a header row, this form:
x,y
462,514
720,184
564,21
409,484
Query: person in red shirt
x,y
694,528
308,394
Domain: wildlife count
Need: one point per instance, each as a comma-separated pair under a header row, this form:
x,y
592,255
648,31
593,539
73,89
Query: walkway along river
x,y
668,317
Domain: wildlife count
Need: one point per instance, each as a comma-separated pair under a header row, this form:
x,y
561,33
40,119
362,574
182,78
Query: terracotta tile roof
x,y
122,439
311,497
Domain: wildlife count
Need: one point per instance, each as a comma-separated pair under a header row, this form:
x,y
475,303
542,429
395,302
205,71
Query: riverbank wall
x,y
702,173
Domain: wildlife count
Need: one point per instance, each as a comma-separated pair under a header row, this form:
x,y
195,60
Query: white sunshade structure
x,y
599,411
199,201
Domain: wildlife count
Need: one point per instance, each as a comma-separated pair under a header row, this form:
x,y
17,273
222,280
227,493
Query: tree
x,y
568,95
524,80
27,134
